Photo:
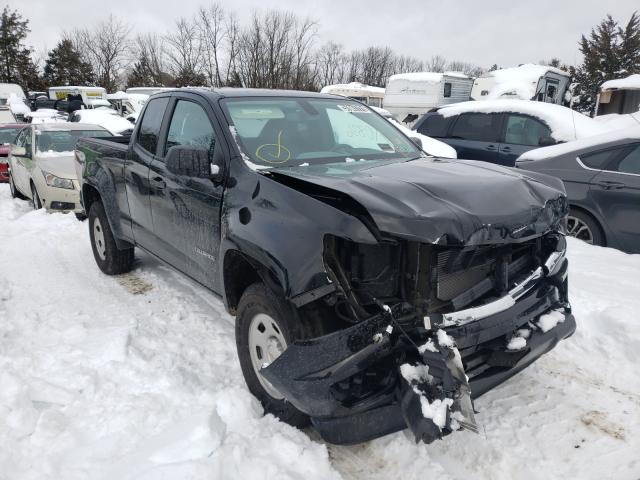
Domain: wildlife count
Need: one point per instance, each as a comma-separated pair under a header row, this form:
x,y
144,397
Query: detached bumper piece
x,y
386,373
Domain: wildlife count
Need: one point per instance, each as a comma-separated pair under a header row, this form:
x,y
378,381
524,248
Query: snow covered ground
x,y
136,377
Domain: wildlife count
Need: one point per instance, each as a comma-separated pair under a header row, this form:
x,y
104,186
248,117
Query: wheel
x,y
35,198
81,217
109,258
265,325
584,227
12,188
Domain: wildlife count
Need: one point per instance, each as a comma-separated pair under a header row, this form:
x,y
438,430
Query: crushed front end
x,y
421,330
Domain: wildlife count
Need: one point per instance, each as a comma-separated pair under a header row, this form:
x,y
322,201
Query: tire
x,y
583,226
109,258
12,188
258,304
35,198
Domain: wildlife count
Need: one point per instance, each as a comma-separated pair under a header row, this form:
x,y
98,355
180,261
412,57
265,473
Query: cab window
x,y
151,123
190,125
631,162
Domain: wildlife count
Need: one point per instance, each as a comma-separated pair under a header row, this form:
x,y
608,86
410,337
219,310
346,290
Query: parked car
x,y
602,178
106,118
316,219
41,165
8,132
499,131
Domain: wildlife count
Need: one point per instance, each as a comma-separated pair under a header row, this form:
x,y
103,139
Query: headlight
x,y
58,182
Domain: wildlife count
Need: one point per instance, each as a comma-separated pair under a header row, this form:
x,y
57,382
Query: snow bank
x,y
99,383
565,124
632,82
630,134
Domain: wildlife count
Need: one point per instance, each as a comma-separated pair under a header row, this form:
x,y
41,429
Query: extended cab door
x,y
476,136
186,210
143,150
617,193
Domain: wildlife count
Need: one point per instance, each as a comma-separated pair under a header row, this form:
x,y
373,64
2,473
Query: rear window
x,y
64,140
483,127
434,125
151,123
600,160
8,135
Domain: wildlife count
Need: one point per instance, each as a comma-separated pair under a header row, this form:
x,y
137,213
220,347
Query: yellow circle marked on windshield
x,y
274,152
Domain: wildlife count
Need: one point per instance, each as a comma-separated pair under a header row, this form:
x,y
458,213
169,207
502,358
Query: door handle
x,y
492,148
608,185
506,149
158,182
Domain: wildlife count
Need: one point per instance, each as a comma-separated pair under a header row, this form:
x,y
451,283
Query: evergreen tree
x,y
64,66
16,65
609,52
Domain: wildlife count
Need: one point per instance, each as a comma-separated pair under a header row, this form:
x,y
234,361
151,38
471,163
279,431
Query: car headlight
x,y
58,182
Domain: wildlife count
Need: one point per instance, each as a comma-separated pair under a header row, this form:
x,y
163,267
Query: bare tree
x,y
149,62
107,48
304,76
211,23
436,63
467,68
331,64
184,53
232,37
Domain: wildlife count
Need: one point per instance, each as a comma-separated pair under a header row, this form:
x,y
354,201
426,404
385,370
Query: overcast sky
x,y
506,32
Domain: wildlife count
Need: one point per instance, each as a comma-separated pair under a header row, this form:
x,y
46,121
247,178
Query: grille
x,y
461,270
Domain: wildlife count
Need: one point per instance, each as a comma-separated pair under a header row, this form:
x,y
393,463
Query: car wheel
x,y
35,198
109,258
584,227
265,325
12,188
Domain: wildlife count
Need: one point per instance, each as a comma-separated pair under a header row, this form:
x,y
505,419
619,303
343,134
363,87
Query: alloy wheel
x,y
579,229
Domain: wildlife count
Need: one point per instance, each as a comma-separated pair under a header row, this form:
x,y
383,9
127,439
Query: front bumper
x,y
348,381
61,200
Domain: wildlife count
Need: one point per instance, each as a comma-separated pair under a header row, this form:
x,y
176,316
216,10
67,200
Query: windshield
x,y
287,132
8,135
64,140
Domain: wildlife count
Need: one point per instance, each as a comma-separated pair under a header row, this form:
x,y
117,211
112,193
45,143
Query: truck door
x,y
617,193
476,136
143,151
186,210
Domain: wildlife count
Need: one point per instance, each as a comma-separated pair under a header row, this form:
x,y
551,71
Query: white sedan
x,y
42,164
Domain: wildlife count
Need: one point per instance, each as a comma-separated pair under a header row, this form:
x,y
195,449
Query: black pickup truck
x,y
374,287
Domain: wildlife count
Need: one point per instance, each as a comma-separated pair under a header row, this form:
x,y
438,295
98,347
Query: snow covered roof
x,y
565,124
520,82
631,134
108,119
632,82
351,87
425,77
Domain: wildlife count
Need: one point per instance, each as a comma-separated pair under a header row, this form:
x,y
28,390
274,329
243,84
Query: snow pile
x,y
436,410
516,343
631,134
109,119
565,124
632,82
97,382
549,320
430,145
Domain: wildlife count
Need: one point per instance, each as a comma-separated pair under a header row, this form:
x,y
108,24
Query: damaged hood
x,y
440,201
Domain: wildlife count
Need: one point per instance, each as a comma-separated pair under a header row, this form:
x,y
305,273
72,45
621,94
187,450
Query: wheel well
x,y
587,213
89,195
239,273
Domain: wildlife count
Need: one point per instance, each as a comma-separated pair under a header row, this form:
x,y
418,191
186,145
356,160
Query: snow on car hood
x,y
442,202
60,164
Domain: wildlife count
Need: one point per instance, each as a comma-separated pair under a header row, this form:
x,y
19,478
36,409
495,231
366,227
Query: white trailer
x,y
93,97
358,91
526,82
409,95
619,96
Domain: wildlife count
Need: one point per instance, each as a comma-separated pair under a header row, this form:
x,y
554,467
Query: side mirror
x,y
417,141
191,161
18,151
546,141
